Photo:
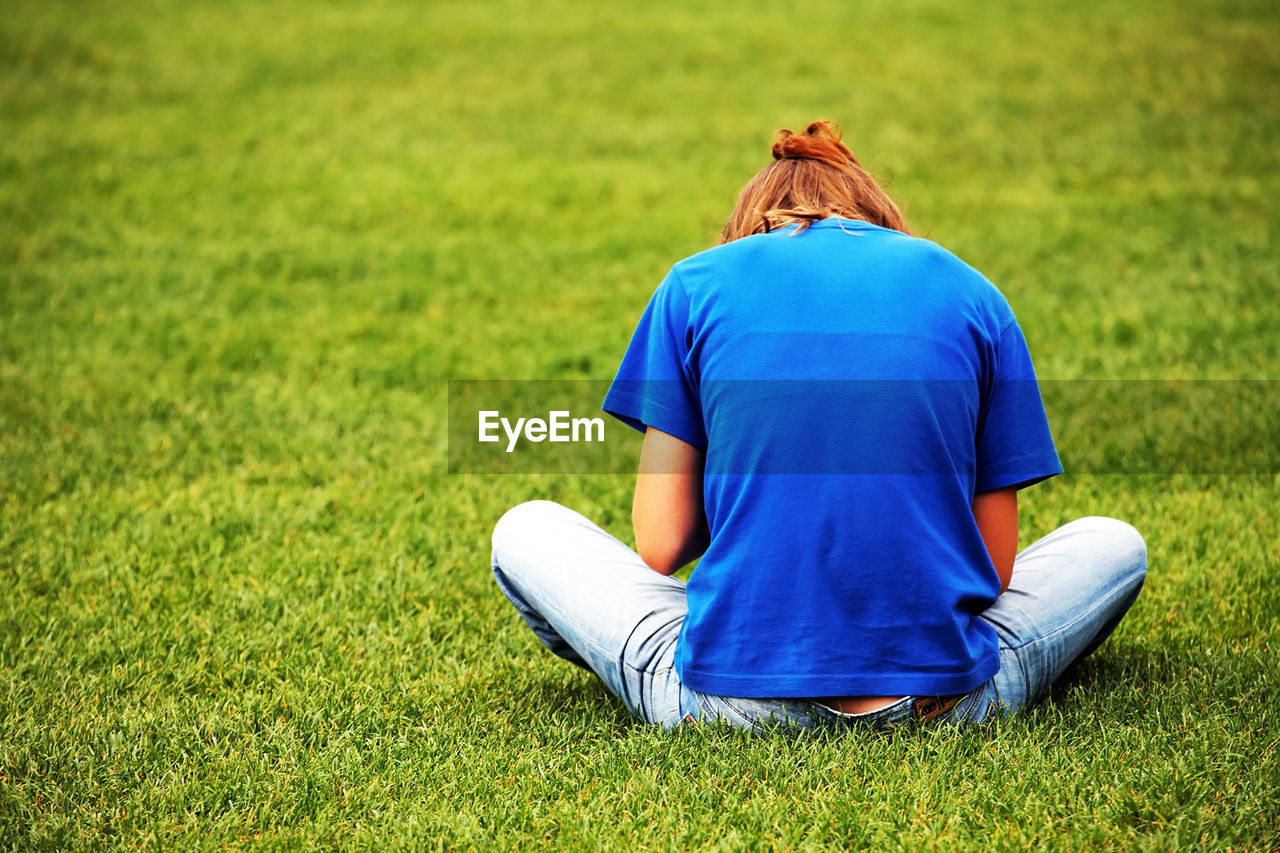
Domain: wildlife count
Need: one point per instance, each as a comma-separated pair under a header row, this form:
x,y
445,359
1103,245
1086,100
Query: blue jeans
x,y
591,600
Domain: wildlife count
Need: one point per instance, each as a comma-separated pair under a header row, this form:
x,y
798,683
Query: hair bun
x,y
824,128
820,141
813,176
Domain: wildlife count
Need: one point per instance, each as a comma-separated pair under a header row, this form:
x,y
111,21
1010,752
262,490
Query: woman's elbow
x,y
659,554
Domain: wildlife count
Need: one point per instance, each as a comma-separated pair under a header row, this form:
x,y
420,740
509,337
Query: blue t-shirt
x,y
853,388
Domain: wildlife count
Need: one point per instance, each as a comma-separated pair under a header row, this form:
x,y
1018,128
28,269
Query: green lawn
x,y
245,246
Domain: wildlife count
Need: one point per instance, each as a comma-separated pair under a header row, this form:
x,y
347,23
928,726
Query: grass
x,y
244,247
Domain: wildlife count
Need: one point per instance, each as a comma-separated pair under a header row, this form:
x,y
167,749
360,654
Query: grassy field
x,y
244,246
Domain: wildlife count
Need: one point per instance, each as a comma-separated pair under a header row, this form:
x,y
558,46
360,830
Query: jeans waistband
x,y
906,709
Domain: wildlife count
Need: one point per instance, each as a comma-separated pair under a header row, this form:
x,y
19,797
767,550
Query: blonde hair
x,y
813,176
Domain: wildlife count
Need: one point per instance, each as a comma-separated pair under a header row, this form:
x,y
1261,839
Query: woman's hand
x,y
668,515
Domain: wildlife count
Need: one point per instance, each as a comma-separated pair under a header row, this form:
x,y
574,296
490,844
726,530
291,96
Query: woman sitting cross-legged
x,y
837,420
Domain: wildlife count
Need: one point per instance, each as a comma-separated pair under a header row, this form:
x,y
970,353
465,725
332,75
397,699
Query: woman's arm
x,y
997,516
668,516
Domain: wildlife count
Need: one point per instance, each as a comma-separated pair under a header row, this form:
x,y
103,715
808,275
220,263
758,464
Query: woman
x,y
837,420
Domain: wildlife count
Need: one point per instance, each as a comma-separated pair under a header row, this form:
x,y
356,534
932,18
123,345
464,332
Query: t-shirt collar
x,y
846,224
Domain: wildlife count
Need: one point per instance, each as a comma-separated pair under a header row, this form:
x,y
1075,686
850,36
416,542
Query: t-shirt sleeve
x,y
1014,445
653,386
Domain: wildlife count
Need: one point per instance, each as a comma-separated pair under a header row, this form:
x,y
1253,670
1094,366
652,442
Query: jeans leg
x,y
1069,592
591,600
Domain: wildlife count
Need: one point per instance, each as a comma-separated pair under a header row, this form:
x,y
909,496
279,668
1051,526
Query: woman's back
x,y
840,382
